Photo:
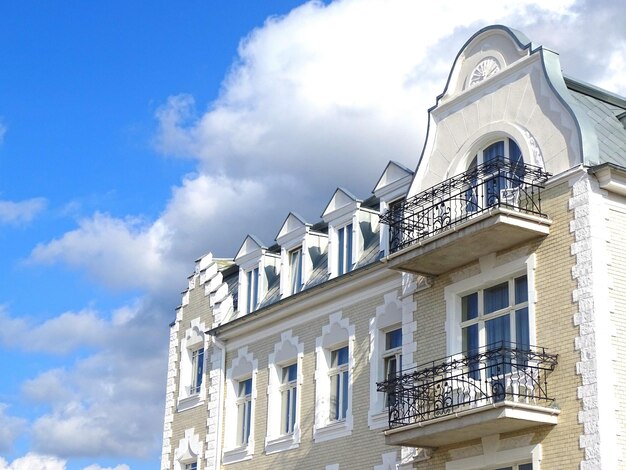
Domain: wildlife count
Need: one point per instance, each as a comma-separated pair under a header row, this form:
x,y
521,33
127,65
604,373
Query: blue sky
x,y
137,136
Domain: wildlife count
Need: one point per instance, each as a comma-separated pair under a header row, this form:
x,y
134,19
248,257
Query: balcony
x,y
496,389
489,208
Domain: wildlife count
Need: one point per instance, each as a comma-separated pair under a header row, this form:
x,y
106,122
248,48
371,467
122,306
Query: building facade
x,y
468,315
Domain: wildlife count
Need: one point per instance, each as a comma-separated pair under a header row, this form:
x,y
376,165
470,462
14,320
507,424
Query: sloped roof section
x,y
604,110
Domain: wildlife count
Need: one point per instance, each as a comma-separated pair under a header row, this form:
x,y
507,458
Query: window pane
x,y
526,466
344,395
494,151
521,289
290,373
340,257
339,357
496,297
334,397
470,347
498,331
393,339
349,248
295,266
522,330
470,306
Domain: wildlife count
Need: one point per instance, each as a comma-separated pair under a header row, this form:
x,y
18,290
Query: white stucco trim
x,y
493,457
595,327
338,333
490,274
189,450
395,311
287,351
243,367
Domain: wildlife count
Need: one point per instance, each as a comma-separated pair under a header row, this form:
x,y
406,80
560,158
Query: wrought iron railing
x,y
495,373
496,183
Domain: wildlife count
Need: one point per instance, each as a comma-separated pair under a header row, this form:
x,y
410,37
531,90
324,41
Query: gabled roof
x,y
291,223
394,172
249,245
341,199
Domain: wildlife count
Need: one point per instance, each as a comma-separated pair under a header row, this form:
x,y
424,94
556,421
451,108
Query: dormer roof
x,y
395,178
293,227
249,246
341,203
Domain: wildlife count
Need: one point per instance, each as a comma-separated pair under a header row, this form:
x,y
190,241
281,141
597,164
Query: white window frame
x,y
189,450
190,393
345,248
244,411
295,272
491,274
395,312
339,377
197,368
288,351
391,354
243,367
337,334
252,289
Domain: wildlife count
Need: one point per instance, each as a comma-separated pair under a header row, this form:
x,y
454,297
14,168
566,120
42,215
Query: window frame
x,y
491,274
345,248
244,411
197,370
338,374
295,275
388,354
252,289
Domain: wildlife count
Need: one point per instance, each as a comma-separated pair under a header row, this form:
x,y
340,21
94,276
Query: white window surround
x,y
286,352
193,340
393,313
493,457
243,367
389,461
251,289
189,450
338,333
344,255
490,274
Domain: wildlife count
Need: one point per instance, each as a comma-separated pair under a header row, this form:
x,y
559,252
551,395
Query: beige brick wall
x,y
617,289
196,418
555,330
364,448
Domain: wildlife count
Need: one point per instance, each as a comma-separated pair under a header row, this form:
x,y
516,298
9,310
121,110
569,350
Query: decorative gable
x,y
393,183
294,228
250,248
342,203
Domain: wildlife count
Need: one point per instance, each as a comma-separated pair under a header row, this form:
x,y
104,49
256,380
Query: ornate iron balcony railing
x,y
495,373
496,183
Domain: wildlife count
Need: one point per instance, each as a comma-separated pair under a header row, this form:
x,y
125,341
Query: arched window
x,y
496,172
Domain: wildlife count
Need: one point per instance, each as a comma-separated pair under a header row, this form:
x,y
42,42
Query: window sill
x,y
333,430
189,402
237,454
281,443
378,419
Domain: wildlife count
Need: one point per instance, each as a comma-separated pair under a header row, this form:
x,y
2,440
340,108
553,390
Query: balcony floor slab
x,y
493,231
470,424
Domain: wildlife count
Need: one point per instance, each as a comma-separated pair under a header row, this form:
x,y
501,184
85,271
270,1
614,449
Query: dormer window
x,y
295,270
344,258
252,297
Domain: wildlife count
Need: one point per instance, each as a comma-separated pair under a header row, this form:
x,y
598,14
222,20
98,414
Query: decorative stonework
x,y
486,68
170,397
534,148
591,295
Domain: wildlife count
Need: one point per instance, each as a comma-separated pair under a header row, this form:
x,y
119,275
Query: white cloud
x,y
58,335
20,212
33,461
98,467
343,86
10,428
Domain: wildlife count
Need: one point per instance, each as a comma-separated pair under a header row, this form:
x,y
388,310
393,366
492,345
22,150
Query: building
x,y
470,315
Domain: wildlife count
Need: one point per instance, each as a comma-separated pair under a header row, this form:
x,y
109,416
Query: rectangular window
x,y
338,373
191,466
253,289
344,255
288,391
392,357
197,370
244,410
496,317
396,209
295,270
